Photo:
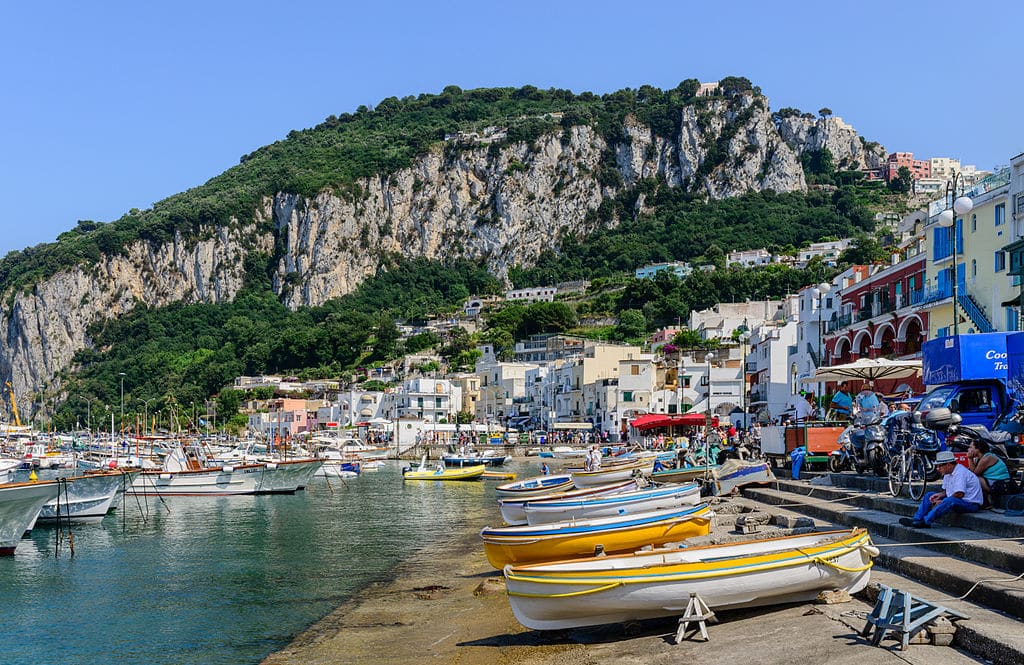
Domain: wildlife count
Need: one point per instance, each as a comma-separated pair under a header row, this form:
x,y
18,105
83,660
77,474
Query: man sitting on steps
x,y
961,492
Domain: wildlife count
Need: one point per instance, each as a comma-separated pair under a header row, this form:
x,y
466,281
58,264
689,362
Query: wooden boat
x,y
183,475
611,474
512,508
535,486
683,475
568,452
644,585
500,475
457,473
545,511
19,506
625,533
736,473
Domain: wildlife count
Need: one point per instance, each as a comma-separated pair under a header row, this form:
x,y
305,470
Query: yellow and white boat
x,y
611,473
573,538
645,585
444,473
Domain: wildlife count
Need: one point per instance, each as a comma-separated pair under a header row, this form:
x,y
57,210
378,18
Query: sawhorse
x,y
903,613
696,611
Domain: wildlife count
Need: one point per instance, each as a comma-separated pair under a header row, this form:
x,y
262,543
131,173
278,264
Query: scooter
x,y
861,446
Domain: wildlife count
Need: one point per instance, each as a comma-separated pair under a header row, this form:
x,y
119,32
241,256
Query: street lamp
x,y
947,218
88,413
707,413
745,341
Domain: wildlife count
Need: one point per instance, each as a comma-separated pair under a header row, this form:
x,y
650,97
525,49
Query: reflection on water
x,y
210,580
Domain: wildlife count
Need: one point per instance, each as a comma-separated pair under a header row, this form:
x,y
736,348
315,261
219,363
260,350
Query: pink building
x,y
919,168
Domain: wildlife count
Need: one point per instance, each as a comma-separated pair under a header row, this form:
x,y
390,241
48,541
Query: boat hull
x,y
20,504
221,481
600,590
617,473
625,503
560,540
287,477
736,473
535,486
463,473
512,508
682,475
88,498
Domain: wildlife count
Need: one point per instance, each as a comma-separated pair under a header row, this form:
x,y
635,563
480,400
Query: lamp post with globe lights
x,y
947,218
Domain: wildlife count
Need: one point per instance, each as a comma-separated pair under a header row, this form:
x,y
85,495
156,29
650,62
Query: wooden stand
x,y
903,614
696,611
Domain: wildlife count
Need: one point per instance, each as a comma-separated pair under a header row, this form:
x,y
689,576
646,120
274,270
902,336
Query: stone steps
x,y
945,561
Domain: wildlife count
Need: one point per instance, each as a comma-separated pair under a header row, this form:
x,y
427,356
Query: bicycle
x,y
909,467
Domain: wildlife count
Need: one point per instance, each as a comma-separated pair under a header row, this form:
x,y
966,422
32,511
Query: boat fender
x,y
271,465
870,550
165,476
227,468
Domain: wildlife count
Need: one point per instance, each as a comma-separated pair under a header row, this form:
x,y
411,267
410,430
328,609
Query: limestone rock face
x,y
848,150
502,204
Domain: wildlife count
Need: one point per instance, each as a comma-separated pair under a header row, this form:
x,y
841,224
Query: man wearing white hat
x,y
961,492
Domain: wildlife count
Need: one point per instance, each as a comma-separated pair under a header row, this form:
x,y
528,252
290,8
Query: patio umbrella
x,y
867,369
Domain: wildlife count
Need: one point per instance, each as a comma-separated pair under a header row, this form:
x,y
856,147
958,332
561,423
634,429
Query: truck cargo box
x,y
966,358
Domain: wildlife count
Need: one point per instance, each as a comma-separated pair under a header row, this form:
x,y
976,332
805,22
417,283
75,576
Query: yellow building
x,y
981,263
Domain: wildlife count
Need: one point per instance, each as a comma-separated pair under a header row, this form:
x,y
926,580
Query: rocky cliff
x,y
501,203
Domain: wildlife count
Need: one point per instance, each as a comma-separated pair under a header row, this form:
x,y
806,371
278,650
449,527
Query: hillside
x,y
497,177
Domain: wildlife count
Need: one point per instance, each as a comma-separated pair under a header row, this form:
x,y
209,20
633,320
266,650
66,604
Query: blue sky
x,y
115,105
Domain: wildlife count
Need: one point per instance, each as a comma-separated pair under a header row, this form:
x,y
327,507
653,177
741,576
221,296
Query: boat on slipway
x,y
612,473
658,583
546,511
20,504
622,533
512,508
535,486
683,475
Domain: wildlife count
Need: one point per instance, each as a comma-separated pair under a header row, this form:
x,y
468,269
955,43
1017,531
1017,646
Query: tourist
x,y
842,403
803,410
867,399
961,492
544,469
991,471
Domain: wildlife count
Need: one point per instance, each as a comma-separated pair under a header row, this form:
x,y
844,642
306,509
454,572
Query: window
x,y
974,267
1000,261
627,396
1000,214
634,370
974,223
1011,318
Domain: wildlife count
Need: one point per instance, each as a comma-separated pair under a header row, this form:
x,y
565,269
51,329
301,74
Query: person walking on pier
x,y
961,492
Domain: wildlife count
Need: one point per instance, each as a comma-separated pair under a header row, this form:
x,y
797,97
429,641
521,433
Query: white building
x,y
429,400
501,385
720,321
772,385
749,258
534,294
828,251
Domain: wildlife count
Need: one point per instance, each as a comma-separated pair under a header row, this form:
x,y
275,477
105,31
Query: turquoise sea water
x,y
218,580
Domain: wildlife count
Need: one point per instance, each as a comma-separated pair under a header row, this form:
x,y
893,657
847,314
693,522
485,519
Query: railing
x,y
814,354
937,293
973,313
839,322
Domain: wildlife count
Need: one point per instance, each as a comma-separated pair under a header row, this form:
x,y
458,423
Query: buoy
x,y
32,477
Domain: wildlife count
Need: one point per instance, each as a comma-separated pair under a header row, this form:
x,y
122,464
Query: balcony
x,y
839,323
937,293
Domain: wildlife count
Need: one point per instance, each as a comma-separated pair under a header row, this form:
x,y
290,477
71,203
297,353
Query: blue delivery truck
x,y
970,374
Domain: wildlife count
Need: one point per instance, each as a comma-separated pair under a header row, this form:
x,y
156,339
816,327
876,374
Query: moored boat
x,y
512,507
184,476
559,540
545,511
87,498
488,457
20,504
535,486
457,473
645,585
287,476
611,474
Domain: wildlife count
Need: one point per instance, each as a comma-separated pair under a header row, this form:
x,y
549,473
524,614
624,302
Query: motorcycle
x,y
861,446
1000,442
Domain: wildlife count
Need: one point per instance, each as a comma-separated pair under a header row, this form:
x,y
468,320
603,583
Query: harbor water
x,y
219,580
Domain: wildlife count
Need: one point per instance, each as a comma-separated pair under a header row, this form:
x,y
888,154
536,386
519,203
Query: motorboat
x,y
488,457
658,583
287,476
20,504
87,498
535,486
184,475
441,472
512,508
545,511
572,538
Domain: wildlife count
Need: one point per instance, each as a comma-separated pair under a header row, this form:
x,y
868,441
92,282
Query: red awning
x,y
653,420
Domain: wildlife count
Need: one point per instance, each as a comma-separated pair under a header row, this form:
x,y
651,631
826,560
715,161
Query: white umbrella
x,y
867,369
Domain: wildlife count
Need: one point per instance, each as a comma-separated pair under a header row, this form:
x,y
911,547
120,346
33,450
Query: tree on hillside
x,y
825,112
903,181
632,326
865,250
